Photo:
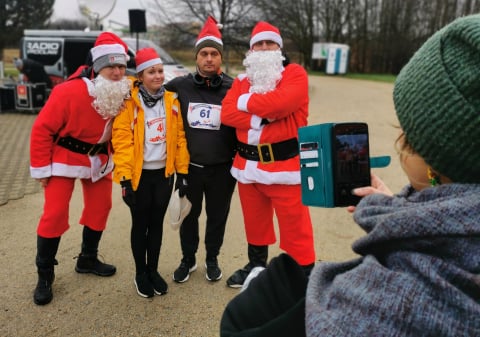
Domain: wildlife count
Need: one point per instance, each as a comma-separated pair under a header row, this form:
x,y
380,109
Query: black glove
x,y
181,184
128,195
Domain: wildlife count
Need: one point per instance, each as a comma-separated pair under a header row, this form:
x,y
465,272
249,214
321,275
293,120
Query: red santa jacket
x,y
286,109
69,112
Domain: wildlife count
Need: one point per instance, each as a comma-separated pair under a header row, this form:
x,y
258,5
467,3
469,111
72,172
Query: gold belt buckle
x,y
270,152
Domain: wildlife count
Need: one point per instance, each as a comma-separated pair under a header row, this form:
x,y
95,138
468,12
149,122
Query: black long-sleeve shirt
x,y
207,146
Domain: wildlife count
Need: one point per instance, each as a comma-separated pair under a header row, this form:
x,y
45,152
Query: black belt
x,y
78,146
268,153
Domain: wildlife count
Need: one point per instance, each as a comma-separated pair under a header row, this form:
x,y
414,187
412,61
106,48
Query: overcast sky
x,y
69,9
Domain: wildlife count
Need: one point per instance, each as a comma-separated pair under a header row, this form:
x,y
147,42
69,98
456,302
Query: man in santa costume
x,y
267,105
70,139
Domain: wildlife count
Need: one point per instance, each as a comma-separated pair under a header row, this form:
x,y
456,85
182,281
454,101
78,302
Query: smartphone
x,y
350,161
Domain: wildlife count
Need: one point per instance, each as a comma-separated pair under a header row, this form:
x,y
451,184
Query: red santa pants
x,y
97,199
259,201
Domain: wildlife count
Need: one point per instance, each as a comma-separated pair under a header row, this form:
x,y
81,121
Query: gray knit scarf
x,y
419,274
151,99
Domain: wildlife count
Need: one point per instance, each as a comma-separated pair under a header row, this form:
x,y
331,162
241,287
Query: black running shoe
x,y
214,273
182,273
143,285
238,278
160,287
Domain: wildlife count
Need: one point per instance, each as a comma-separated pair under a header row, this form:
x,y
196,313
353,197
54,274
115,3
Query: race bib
x,y
155,130
204,116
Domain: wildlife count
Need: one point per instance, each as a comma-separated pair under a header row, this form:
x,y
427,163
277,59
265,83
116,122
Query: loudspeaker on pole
x,y
137,21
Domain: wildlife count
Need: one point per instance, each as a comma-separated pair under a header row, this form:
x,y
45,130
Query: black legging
x,y
152,197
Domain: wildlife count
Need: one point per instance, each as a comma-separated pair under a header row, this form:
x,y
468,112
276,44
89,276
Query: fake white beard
x,y
264,69
109,95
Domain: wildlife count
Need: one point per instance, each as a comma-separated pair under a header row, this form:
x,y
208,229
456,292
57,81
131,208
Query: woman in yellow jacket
x,y
149,147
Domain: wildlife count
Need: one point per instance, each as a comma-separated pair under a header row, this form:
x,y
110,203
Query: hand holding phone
x,y
334,160
378,186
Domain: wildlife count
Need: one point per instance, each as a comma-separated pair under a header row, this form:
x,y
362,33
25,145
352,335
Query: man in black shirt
x,y
211,146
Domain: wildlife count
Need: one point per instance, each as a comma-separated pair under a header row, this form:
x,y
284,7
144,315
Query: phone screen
x,y
351,161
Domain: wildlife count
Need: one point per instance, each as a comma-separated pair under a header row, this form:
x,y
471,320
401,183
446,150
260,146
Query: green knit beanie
x,y
437,100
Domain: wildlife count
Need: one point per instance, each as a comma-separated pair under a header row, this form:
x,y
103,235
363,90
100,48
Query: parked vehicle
x,y
171,67
63,51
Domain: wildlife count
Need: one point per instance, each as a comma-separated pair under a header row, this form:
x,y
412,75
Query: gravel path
x,y
86,305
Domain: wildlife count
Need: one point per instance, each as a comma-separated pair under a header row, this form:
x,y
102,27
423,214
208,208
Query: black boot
x,y
87,260
43,292
45,260
257,257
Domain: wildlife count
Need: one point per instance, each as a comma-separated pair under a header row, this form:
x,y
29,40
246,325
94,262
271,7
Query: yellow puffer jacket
x,y
128,136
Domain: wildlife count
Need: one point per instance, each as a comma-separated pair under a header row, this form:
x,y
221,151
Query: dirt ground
x,y
86,305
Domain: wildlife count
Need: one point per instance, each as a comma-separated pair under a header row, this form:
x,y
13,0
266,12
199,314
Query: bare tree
x,y
16,15
68,24
297,22
382,34
234,15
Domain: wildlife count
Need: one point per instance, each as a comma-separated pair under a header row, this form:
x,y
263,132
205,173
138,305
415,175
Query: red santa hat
x,y
263,31
209,36
145,58
108,50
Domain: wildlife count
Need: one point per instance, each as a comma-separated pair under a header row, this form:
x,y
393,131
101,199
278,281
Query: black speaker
x,y
137,20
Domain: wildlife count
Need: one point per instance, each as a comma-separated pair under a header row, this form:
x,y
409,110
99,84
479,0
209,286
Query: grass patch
x,y
388,78
186,57
373,77
11,72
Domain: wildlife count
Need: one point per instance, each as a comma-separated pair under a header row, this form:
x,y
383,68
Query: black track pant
x,y
216,184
